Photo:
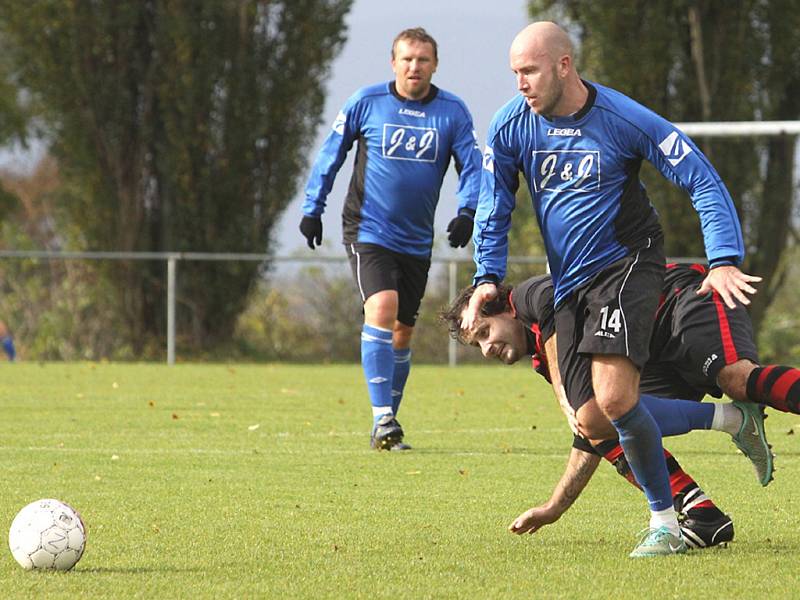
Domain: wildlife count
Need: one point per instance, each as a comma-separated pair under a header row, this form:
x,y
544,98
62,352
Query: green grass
x,y
202,481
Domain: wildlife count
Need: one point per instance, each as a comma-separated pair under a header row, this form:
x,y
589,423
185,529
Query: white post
x,y
171,263
452,277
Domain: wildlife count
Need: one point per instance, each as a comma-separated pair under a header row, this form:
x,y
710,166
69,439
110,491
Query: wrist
x,y
488,278
722,261
467,212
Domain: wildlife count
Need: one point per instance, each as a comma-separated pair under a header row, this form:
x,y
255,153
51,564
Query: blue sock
x,y
402,366
676,417
377,358
8,346
641,441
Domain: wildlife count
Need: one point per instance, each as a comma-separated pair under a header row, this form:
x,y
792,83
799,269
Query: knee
x,y
732,379
617,405
380,309
593,424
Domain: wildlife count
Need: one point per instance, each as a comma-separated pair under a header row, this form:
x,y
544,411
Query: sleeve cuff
x,y
468,212
722,262
488,278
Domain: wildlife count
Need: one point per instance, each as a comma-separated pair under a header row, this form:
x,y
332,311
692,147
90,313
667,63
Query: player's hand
x,y
482,294
311,228
729,282
533,519
460,231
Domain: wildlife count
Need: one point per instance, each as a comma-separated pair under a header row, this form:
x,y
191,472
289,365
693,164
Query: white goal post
x,y
740,128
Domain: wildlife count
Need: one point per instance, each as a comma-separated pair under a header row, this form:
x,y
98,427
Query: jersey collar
x,y
432,93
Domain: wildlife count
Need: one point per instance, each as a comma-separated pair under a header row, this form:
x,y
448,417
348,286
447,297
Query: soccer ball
x,y
47,534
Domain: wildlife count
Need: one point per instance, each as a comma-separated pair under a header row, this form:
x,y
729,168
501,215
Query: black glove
x,y
460,229
311,228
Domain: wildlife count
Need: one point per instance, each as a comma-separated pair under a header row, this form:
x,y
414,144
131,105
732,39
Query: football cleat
x,y
400,447
658,542
704,533
386,434
752,440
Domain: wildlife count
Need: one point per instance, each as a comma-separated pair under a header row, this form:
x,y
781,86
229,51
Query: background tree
x,y
177,126
700,60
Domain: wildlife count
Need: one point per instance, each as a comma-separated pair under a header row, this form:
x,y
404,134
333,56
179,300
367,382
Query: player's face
x,y
413,64
538,80
501,337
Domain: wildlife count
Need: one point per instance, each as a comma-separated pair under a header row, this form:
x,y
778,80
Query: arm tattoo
x,y
580,468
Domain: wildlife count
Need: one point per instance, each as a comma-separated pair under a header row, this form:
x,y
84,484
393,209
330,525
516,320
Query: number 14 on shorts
x,y
610,320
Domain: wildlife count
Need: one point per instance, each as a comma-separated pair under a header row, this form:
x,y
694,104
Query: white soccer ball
x,y
47,534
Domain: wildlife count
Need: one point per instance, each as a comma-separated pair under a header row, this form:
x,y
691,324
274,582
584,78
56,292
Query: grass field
x,y
213,481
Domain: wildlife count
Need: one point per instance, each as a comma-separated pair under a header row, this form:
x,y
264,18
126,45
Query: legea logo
x,y
674,148
488,159
338,124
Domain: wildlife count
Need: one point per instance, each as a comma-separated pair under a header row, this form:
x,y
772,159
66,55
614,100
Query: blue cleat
x,y
658,542
752,440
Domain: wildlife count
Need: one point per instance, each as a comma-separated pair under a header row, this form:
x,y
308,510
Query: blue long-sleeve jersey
x,y
404,149
583,176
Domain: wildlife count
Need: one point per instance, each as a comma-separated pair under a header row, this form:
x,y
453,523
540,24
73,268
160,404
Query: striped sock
x,y
776,386
681,483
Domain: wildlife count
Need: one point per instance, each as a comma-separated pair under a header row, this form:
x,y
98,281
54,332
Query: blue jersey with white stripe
x,y
583,176
404,149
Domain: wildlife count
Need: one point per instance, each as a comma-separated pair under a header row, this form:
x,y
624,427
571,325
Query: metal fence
x,y
173,258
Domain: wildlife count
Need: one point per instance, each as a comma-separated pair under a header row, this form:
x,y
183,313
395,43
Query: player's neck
x,y
574,98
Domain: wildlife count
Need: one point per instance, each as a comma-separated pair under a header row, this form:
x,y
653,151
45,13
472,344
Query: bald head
x,y
542,38
541,59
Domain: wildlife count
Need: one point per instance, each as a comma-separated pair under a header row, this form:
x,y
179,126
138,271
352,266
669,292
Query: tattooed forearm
x,y
580,468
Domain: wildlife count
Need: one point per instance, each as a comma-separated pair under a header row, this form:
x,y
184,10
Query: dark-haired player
x,y
699,346
407,131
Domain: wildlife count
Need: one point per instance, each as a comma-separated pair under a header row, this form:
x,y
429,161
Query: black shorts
x,y
691,344
376,269
612,314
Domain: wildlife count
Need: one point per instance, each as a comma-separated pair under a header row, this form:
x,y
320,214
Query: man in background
x,y
407,131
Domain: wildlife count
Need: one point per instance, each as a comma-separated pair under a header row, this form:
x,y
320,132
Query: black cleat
x,y
386,434
705,533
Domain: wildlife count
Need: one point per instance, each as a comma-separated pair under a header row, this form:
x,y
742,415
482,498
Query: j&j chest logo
x,y
566,170
404,142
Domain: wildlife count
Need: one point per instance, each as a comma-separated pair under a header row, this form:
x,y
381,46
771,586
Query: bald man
x,y
580,146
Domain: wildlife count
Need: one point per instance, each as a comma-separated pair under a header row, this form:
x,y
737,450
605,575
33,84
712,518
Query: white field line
x,y
282,435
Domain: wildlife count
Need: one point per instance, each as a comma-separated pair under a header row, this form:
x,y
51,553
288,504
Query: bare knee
x,y
593,423
732,379
616,384
380,309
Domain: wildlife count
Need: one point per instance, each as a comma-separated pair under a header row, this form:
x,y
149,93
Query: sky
x,y
473,38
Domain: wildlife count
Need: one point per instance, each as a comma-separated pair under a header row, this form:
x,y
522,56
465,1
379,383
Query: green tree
x,y
702,60
182,126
